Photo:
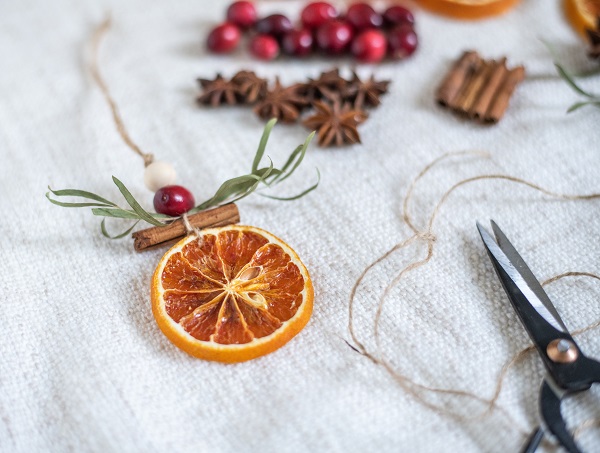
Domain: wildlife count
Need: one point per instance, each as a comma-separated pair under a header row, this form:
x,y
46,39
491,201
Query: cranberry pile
x,y
367,34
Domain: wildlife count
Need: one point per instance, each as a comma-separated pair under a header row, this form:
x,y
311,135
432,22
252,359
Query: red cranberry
x,y
316,14
264,47
362,15
223,38
402,42
242,14
297,42
370,46
333,37
276,25
173,200
396,15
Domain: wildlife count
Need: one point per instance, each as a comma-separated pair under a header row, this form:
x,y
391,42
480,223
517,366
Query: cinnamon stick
x,y
488,92
478,82
500,102
471,74
163,235
454,80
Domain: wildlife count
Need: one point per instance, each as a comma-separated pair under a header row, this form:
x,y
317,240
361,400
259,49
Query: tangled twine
x,y
427,236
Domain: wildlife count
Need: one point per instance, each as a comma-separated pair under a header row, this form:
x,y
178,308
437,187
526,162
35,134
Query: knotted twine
x,y
427,236
97,37
148,158
189,229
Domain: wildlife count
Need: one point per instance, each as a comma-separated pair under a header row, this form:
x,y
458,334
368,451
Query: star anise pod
x,y
328,86
336,123
364,93
216,92
283,103
594,38
250,87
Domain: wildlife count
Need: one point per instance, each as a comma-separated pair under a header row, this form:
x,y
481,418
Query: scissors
x,y
569,370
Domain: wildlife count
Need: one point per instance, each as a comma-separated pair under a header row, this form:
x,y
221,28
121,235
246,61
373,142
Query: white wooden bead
x,y
159,174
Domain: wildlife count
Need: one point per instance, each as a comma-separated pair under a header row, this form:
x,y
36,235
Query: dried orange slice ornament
x,y
582,14
231,294
468,9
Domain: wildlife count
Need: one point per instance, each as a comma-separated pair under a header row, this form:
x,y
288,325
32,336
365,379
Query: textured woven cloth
x,y
83,366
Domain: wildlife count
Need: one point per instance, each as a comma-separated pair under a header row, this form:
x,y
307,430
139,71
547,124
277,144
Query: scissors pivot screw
x,y
562,351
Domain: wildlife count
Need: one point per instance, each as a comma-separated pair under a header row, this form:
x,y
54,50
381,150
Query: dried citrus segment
x,y
583,14
233,294
468,9
179,304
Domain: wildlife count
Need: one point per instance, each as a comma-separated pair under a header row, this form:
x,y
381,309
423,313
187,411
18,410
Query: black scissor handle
x,y
533,441
550,412
587,373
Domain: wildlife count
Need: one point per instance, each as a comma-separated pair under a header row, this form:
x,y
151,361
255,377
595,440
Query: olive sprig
x,y
591,99
230,191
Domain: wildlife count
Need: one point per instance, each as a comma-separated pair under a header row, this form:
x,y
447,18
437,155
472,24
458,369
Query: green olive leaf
x,y
571,82
141,212
80,193
263,144
300,195
118,236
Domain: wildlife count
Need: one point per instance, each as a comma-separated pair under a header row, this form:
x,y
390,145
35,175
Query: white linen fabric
x,y
83,366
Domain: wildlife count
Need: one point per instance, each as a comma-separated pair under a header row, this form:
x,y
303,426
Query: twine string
x,y
590,423
97,37
405,214
429,238
189,228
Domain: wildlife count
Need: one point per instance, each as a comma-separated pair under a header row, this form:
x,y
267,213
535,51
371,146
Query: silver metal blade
x,y
519,264
518,279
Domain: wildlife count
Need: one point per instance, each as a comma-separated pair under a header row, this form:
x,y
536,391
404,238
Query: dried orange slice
x,y
468,9
232,294
583,14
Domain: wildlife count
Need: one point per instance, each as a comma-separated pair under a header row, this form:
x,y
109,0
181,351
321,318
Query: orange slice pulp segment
x,y
233,294
468,9
583,14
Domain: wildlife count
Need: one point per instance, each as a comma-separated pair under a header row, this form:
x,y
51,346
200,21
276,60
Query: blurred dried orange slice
x,y
582,13
468,9
232,294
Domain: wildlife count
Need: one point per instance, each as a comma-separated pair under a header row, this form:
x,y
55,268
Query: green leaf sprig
x,y
230,191
592,99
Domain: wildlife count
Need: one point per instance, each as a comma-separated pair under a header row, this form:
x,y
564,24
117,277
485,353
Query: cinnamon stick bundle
x,y
163,235
479,88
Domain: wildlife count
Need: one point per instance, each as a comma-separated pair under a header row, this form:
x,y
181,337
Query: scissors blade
x,y
519,264
502,261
